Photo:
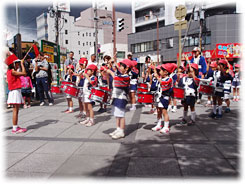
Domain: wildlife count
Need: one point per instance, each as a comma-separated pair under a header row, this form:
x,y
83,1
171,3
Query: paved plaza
x,y
57,146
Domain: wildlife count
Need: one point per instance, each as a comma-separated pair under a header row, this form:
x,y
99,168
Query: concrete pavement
x,y
56,145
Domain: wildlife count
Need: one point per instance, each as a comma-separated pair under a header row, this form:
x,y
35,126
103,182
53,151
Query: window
x,y
137,47
133,48
66,41
83,34
90,43
191,41
90,34
78,33
86,34
87,52
186,41
121,54
83,44
94,34
65,20
86,43
66,32
79,52
208,38
142,47
170,43
78,42
196,41
83,53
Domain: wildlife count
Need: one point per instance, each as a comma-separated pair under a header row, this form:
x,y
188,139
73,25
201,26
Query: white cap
x,y
196,49
129,53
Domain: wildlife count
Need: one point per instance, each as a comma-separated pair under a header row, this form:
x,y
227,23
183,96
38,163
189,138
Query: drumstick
x,y
28,52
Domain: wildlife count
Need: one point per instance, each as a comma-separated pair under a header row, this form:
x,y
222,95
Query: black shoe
x,y
100,110
212,115
183,122
190,123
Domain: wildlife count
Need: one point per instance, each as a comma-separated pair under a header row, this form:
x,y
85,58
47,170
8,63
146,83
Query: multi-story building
x,y
220,25
78,35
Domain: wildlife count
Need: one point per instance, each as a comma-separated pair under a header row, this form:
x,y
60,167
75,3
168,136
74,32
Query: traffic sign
x,y
180,25
180,12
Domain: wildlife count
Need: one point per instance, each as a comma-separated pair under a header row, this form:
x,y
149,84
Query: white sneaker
x,y
84,122
164,130
133,108
42,103
198,101
156,128
118,135
114,132
50,104
174,110
155,112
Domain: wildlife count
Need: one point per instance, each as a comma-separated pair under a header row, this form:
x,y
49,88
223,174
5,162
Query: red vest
x,y
166,85
121,82
13,81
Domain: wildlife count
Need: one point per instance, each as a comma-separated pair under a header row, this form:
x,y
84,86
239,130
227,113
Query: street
x,y
56,145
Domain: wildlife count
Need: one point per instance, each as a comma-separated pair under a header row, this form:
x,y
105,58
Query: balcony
x,y
151,17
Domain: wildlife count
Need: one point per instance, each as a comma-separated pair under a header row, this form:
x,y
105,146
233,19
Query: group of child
x,y
122,77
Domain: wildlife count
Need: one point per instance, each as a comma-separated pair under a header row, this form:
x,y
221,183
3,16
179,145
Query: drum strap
x,y
187,82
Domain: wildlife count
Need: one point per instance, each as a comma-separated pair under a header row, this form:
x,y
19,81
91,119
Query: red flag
x,y
10,59
36,50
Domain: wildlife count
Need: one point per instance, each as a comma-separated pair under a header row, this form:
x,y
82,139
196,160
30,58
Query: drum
x,y
206,89
80,92
145,97
63,83
178,93
107,95
97,95
71,90
55,89
142,87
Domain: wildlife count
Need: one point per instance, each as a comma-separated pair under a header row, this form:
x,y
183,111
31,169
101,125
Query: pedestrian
x,y
134,73
70,78
190,83
174,77
162,73
70,61
41,69
26,88
14,85
202,66
121,83
90,81
154,84
103,81
50,80
236,83
145,68
220,77
92,60
80,82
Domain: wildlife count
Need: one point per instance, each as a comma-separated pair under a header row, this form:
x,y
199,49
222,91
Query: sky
x,y
29,11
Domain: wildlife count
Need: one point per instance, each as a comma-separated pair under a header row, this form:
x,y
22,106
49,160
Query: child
x,y
72,78
89,82
236,83
174,77
190,83
154,86
14,85
219,79
26,87
121,82
104,81
133,86
166,83
79,82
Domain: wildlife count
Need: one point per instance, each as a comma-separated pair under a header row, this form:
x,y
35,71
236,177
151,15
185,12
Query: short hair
x,y
93,55
72,52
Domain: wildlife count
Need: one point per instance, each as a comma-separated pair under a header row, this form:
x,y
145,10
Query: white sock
x,y
220,109
234,97
84,112
159,122
70,108
166,124
209,102
185,114
15,127
118,128
237,97
133,105
214,109
193,116
174,107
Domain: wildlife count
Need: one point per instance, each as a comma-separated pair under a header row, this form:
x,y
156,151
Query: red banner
x,y
230,50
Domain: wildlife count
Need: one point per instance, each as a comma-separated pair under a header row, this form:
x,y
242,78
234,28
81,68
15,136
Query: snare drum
x,y
97,95
206,89
71,90
55,89
63,83
178,93
107,95
142,87
145,97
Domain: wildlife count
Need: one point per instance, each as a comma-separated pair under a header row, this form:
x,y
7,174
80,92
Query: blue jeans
x,y
42,86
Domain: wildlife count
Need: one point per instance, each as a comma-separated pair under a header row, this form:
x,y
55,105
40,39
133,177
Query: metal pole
x,y
200,35
179,62
114,32
157,41
96,32
17,17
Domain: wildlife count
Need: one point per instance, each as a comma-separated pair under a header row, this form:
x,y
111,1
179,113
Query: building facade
x,y
221,25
